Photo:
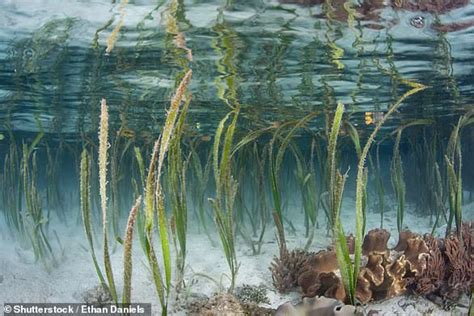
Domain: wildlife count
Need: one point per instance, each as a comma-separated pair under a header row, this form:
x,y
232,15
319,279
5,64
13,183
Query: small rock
x,y
97,295
222,304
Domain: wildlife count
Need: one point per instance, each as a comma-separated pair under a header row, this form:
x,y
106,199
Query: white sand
x,y
22,280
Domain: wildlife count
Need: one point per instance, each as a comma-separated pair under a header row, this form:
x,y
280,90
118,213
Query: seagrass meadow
x,y
269,157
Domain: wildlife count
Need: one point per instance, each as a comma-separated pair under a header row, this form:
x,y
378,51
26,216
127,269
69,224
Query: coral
x,y
467,230
316,284
335,289
375,271
441,269
449,267
382,277
375,241
416,254
287,268
317,306
309,283
317,276
459,272
432,277
395,275
252,294
403,236
363,291
322,261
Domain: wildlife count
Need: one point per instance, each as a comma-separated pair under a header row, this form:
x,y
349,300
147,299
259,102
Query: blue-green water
x,y
267,64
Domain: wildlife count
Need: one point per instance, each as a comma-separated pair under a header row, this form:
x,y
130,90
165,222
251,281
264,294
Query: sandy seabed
x,y
24,281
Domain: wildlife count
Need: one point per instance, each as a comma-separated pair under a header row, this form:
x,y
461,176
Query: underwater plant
x,y
154,199
349,270
127,252
354,135
380,188
102,162
200,172
226,189
12,190
108,283
177,169
86,211
121,143
453,160
261,193
439,196
431,199
140,187
275,162
53,198
39,240
86,217
251,200
175,44
261,158
361,181
112,39
322,169
115,206
336,190
397,181
396,169
306,177
227,83
35,219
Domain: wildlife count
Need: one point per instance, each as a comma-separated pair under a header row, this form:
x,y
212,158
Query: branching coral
x,y
449,266
459,269
287,268
432,277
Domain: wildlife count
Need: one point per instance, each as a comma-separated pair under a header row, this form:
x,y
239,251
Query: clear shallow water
x,y
287,60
